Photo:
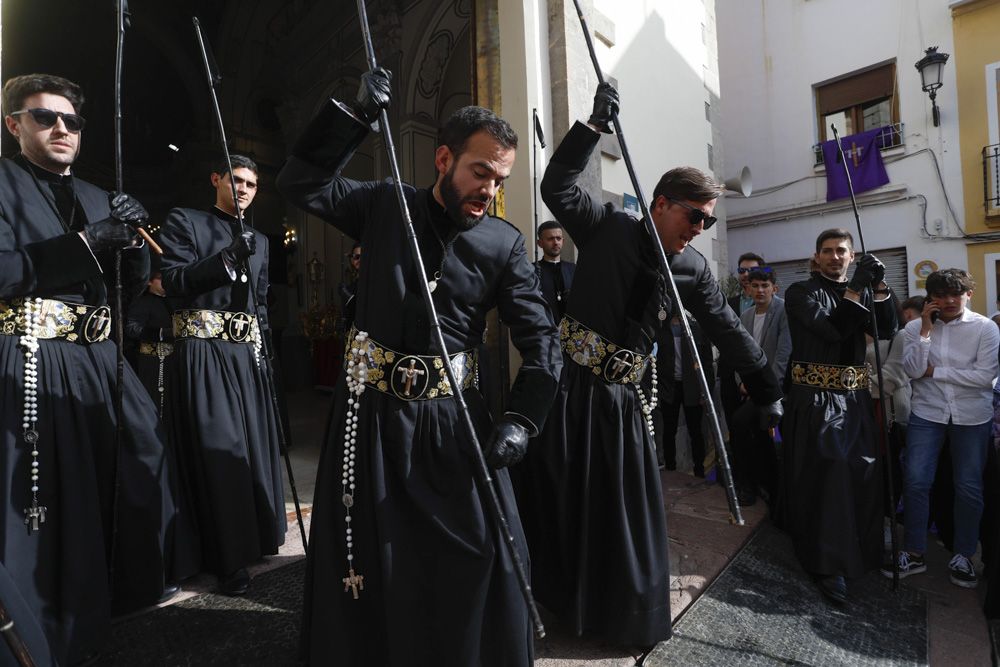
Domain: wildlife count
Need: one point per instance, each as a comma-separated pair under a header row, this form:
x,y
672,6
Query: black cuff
x,y
61,261
576,147
762,385
330,139
531,396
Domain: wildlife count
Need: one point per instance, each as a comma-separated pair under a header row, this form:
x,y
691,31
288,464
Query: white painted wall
x,y
772,53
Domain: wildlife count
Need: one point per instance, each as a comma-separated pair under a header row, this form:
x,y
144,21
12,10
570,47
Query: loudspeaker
x,y
741,184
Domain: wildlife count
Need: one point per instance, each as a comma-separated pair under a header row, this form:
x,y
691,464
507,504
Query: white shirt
x,y
964,355
758,326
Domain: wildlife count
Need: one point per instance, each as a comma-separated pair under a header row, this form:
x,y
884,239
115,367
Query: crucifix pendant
x,y
34,517
354,582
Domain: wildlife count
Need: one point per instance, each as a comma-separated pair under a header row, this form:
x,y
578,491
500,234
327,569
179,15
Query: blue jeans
x,y
968,456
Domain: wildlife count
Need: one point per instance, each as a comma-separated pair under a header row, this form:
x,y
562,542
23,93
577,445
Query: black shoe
x,y
236,583
833,588
169,591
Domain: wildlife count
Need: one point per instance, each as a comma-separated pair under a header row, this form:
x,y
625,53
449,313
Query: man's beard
x,y
453,204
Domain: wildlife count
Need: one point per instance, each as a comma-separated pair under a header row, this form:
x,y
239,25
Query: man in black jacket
x,y
221,417
592,501
405,565
58,237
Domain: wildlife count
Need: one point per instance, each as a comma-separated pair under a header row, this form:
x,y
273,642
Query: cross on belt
x,y
410,373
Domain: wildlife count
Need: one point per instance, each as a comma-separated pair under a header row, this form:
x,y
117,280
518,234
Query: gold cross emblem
x,y
354,583
408,374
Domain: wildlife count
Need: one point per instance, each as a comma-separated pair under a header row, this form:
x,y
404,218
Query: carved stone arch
x,y
435,49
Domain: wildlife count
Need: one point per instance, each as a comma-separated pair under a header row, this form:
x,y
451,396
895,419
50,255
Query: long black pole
x,y
272,390
882,423
534,174
119,300
486,481
727,472
13,639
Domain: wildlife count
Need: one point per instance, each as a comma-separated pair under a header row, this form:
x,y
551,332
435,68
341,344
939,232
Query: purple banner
x,y
864,162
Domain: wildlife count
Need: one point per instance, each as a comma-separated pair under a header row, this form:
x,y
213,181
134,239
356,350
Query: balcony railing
x,y
890,137
991,179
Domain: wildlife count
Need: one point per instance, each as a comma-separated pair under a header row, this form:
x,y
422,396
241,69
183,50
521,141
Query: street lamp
x,y
931,68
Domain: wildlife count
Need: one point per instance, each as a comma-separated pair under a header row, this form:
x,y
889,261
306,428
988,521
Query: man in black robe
x,y
221,416
58,235
555,275
591,497
831,466
408,514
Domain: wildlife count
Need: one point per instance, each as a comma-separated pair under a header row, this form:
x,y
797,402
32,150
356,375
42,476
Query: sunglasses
x,y
751,269
358,256
48,118
696,215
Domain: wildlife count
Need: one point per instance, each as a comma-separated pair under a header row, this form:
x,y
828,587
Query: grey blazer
x,y
776,340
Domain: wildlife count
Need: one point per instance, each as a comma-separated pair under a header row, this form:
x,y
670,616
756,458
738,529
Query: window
x,y
858,102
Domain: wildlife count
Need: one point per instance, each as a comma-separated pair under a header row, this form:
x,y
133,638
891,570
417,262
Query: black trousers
x,y
671,418
755,461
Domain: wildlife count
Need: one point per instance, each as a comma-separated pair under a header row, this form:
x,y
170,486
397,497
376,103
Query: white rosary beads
x,y
650,405
357,374
34,516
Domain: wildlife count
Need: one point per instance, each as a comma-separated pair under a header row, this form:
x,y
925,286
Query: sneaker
x,y
908,564
962,572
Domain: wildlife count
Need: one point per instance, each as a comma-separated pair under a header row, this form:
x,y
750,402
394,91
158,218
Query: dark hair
x,y
545,226
19,88
238,162
687,183
835,233
950,281
467,121
913,303
770,275
751,256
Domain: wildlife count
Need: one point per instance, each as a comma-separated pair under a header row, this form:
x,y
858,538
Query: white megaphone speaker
x,y
741,184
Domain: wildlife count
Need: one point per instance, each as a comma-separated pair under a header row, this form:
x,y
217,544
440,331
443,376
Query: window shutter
x,y
895,271
872,85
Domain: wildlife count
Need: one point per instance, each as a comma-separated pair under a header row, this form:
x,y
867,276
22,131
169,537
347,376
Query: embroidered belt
x,y
156,349
410,377
75,322
830,376
610,362
234,327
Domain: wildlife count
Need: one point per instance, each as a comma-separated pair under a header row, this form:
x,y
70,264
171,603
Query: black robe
x,y
556,280
62,570
590,488
831,470
220,413
439,585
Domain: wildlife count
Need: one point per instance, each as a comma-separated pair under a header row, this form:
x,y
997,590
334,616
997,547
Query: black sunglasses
x,y
696,215
48,118
357,256
751,269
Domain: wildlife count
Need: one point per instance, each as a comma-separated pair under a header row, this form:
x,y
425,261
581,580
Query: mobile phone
x,y
934,315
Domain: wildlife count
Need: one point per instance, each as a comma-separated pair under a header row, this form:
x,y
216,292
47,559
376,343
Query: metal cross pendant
x,y
34,517
354,582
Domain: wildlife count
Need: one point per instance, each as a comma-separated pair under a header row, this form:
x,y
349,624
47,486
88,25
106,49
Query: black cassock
x,y
220,414
831,471
589,489
439,587
556,281
61,571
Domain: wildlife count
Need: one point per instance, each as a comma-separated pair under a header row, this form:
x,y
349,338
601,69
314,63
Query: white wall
x,y
772,53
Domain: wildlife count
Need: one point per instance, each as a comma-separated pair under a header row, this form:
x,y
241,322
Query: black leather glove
x,y
868,273
244,244
374,94
605,106
110,234
770,415
507,444
127,209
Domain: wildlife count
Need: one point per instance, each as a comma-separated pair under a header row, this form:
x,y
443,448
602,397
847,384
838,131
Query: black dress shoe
x,y
169,591
235,583
833,588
